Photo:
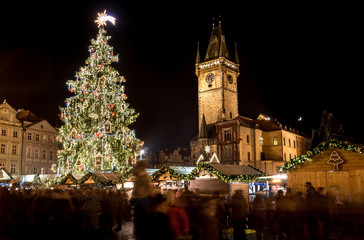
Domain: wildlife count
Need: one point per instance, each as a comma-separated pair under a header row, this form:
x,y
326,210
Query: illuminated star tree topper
x,y
103,18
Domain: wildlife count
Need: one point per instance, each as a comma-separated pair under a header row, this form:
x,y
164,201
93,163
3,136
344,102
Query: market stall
x,y
335,166
225,178
5,176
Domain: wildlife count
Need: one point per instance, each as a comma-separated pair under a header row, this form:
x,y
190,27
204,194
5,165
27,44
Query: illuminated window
x,y
261,140
275,141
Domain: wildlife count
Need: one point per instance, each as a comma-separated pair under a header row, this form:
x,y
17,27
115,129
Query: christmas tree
x,y
95,134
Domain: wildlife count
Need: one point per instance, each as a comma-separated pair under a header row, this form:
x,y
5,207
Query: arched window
x,y
275,141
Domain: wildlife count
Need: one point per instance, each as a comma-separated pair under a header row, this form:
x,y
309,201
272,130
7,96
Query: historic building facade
x,y
27,143
263,143
176,157
11,137
39,147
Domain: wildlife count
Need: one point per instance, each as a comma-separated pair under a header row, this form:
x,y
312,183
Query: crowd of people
x,y
317,214
173,215
62,214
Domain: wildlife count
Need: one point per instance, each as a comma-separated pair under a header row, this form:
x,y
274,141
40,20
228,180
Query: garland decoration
x,y
171,171
318,150
228,179
71,180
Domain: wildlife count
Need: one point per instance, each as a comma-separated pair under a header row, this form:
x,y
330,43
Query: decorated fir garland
x,y
321,148
171,171
90,175
228,179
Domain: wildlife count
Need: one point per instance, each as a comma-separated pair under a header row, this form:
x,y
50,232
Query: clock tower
x,y
217,81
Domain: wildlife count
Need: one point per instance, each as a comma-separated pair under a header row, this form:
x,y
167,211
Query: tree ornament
x,y
98,160
107,126
73,133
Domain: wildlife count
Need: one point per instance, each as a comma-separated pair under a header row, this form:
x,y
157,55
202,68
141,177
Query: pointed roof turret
x,y
236,54
198,60
203,128
217,45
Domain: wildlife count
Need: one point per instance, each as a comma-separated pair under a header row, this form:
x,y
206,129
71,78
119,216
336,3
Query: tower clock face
x,y
230,79
210,78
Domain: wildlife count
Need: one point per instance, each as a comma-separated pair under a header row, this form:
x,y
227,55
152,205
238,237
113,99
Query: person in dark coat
x,y
258,214
311,200
239,210
322,213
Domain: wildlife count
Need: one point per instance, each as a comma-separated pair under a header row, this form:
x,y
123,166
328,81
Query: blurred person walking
x,y
141,191
239,211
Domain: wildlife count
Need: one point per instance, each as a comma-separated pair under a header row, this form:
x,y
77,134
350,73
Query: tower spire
x,y
236,54
203,128
198,60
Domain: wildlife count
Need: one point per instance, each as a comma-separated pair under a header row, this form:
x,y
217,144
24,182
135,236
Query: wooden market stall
x,y
5,176
104,179
225,178
337,167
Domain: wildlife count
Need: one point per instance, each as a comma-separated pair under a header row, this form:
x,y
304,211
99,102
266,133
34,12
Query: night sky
x,y
295,60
